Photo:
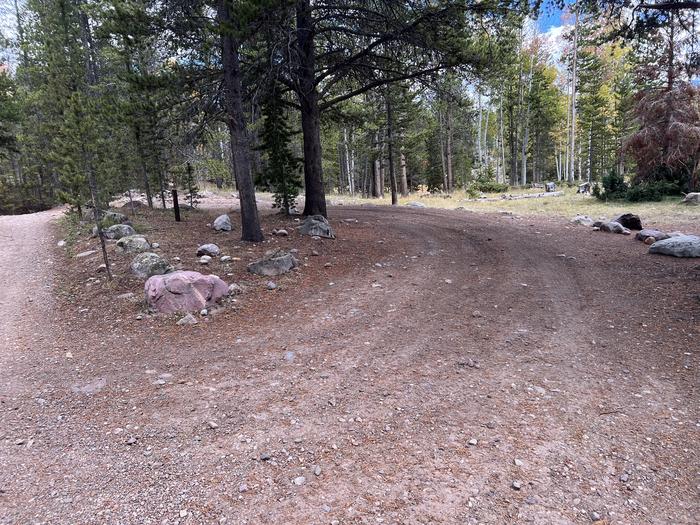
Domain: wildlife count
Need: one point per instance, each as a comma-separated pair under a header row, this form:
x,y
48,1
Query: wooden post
x,y
176,205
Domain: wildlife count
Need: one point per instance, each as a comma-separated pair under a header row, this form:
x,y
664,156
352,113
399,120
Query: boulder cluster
x,y
676,244
169,289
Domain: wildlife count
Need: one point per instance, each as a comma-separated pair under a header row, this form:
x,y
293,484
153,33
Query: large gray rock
x,y
107,217
212,250
147,264
275,262
644,234
612,227
316,226
583,220
134,244
222,223
679,246
136,204
629,221
184,291
117,231
692,198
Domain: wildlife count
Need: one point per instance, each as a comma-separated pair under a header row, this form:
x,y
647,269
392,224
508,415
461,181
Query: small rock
x,y
86,254
327,265
101,268
692,199
235,289
644,234
316,226
518,462
213,425
476,313
189,319
117,231
133,244
265,456
61,243
300,480
131,441
204,259
583,220
204,312
148,264
210,249
629,221
314,253
517,485
473,442
595,516
225,258
275,262
282,233
317,470
183,513
242,488
271,285
222,223
155,245
624,477
612,227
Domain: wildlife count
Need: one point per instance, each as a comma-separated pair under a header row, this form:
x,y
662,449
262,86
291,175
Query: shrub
x,y
485,182
652,191
490,186
615,187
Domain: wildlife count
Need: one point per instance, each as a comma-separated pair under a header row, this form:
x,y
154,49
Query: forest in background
x,y
361,97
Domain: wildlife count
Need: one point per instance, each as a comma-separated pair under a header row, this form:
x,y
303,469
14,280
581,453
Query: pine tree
x,y
282,171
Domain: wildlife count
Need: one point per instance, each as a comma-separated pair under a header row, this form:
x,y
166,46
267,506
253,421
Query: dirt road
x,y
448,367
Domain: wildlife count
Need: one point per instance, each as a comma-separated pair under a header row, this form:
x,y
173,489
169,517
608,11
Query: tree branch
x,y
671,6
377,83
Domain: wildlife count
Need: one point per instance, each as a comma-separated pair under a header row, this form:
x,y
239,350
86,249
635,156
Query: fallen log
x,y
517,197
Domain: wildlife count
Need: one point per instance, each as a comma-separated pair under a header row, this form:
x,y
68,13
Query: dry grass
x,y
668,212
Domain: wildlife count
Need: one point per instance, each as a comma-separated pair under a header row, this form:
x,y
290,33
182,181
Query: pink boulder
x,y
183,291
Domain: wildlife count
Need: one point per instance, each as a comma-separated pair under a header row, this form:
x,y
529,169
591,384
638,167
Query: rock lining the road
x,y
678,246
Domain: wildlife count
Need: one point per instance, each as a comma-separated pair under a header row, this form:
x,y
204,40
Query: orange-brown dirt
x,y
441,357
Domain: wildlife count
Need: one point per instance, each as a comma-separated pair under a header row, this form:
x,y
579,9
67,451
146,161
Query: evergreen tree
x,y
281,172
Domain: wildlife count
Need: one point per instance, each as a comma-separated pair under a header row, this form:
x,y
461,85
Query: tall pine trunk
x,y
315,203
572,137
390,141
235,119
142,164
448,151
526,132
404,176
88,161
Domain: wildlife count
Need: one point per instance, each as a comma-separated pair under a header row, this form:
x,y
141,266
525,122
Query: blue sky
x,y
550,17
